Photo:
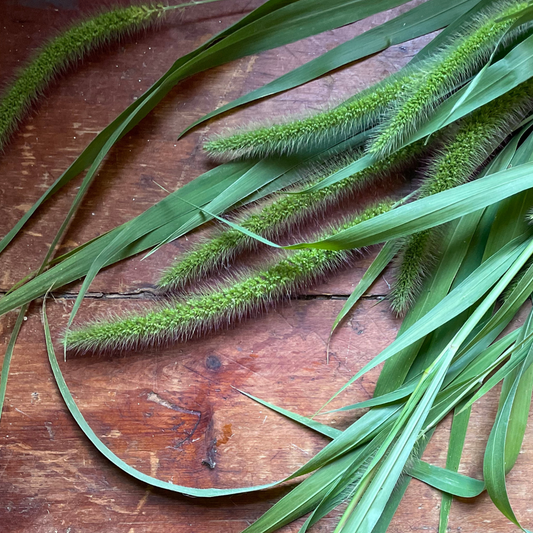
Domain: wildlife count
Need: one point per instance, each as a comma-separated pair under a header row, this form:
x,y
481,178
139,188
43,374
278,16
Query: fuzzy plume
x,y
449,68
65,50
315,131
181,320
466,148
285,213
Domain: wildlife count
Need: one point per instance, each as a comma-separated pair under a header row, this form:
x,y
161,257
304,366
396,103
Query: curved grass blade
x,y
425,18
107,453
494,468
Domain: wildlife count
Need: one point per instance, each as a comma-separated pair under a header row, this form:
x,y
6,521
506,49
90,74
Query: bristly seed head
x,y
448,69
64,51
347,119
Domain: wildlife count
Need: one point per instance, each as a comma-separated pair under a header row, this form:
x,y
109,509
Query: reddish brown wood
x,y
174,412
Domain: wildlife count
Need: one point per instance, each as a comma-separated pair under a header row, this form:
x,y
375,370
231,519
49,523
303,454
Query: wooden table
x,y
174,413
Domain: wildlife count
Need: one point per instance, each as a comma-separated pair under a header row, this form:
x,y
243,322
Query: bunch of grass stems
x,y
459,284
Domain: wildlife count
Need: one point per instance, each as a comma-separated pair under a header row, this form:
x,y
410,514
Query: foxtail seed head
x,y
448,69
313,132
64,51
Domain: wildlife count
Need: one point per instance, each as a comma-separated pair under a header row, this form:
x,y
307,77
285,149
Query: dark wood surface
x,y
174,413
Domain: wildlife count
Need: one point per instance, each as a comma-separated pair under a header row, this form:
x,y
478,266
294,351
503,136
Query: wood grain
x,y
175,413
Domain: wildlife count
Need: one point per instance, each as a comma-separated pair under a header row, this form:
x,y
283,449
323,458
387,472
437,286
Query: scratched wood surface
x,y
174,413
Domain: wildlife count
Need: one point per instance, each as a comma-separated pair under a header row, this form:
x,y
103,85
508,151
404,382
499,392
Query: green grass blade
x,y
6,363
420,20
394,501
508,310
165,214
496,80
464,367
503,372
494,467
447,480
390,397
457,301
455,245
414,414
348,484
250,184
327,431
375,498
519,414
91,151
453,459
168,217
242,187
430,211
515,68
308,494
355,435
385,256
332,499
274,24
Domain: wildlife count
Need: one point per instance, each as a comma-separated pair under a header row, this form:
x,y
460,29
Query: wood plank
x,y
174,412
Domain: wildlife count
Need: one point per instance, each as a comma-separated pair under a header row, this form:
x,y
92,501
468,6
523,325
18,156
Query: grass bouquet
x,y
458,118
